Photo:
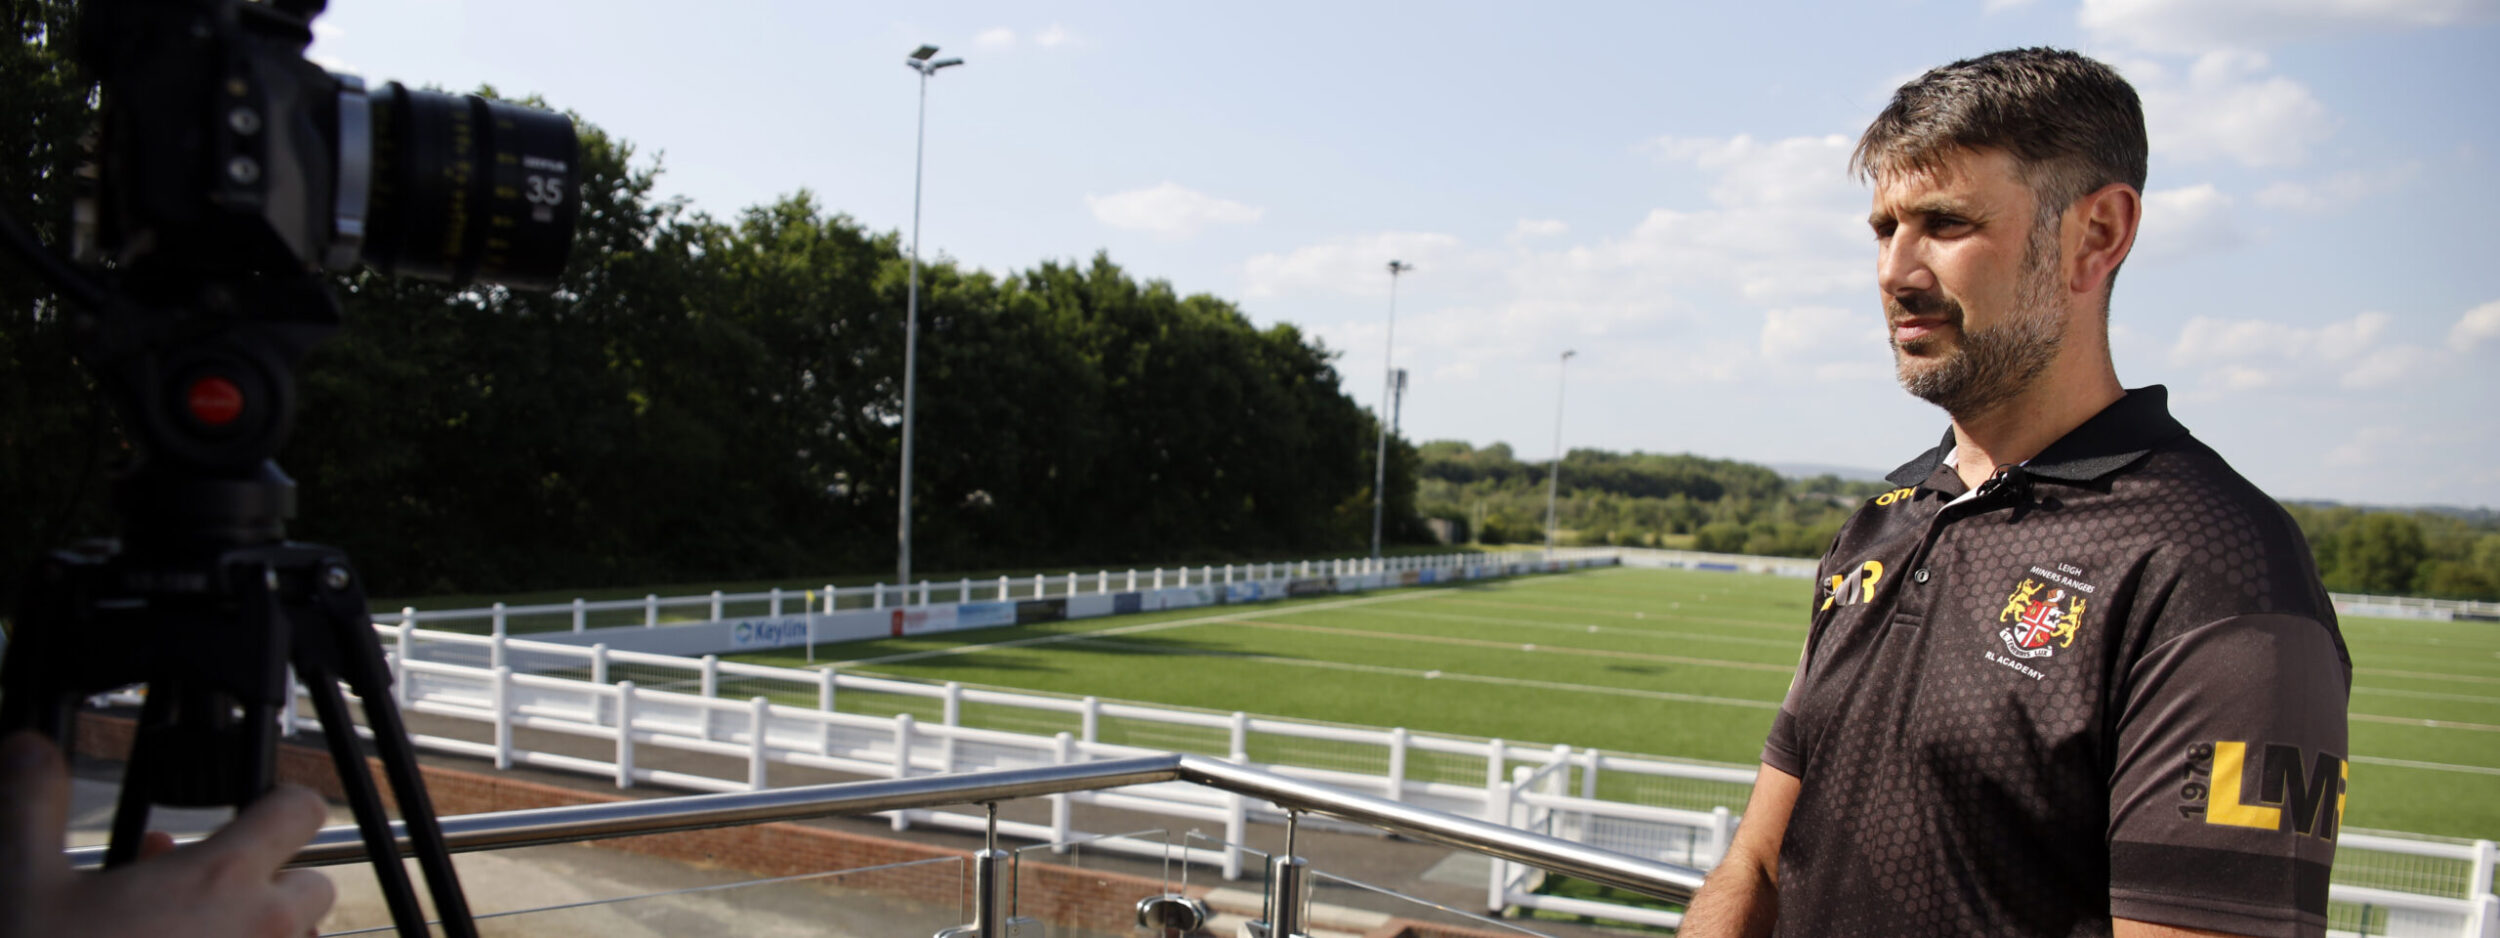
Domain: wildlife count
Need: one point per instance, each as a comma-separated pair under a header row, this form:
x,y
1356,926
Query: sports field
x,y
1658,662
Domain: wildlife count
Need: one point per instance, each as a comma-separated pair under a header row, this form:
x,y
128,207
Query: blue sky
x,y
1660,187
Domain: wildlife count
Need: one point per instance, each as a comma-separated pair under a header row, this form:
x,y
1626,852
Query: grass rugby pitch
x,y
1682,664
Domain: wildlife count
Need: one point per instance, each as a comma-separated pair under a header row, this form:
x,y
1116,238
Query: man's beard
x,y
1994,365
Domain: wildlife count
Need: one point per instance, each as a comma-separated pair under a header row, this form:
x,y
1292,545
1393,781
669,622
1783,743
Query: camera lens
x,y
466,189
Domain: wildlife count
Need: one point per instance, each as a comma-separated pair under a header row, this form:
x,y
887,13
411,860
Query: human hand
x,y
231,884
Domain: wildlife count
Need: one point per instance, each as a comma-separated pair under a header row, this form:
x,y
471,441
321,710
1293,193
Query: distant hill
x,y
2478,517
1808,470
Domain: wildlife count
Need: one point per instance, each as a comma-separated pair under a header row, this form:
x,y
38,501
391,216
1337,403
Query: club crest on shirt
x,y
2042,614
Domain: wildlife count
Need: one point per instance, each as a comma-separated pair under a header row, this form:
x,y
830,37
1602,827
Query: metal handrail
x,y
569,823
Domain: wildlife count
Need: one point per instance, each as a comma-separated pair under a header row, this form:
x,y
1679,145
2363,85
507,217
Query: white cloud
x,y
1168,209
2227,106
2202,25
2339,190
1357,265
2205,339
1052,35
999,38
2000,6
2387,366
1800,332
1537,228
2478,325
2366,447
2247,354
2186,222
1795,171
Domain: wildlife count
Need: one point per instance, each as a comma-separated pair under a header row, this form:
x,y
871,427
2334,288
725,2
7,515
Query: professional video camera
x,y
231,175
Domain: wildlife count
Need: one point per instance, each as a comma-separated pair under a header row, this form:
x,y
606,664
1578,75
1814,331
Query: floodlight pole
x,y
1553,474
1388,389
919,62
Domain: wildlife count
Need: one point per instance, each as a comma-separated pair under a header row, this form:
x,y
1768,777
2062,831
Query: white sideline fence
x,y
756,716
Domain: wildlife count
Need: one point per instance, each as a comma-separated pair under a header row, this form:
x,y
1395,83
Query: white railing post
x,y
1395,787
1089,720
756,760
1496,771
1071,584
924,592
1184,576
1063,751
651,610
824,701
1722,827
711,680
1102,581
877,594
499,621
1132,579
829,599
1588,774
776,613
407,638
1240,748
902,763
581,614
1002,588
286,711
963,590
624,734
716,605
495,650
951,713
1228,573
599,663
1497,811
1158,577
503,717
1037,586
2484,920
1236,829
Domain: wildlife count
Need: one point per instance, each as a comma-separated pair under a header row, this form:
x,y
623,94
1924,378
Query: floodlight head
x,y
1398,267
944,63
924,52
1567,353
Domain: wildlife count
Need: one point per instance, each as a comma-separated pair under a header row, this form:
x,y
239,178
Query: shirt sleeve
x,y
2227,790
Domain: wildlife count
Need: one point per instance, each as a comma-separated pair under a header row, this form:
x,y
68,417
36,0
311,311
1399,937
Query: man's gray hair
x,y
2071,124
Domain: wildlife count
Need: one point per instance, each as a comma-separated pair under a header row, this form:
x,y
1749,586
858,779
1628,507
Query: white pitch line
x,y
2426,695
1467,678
2433,766
1122,630
2432,724
1585,627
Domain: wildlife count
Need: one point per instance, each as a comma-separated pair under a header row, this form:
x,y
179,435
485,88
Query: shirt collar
x,y
2112,440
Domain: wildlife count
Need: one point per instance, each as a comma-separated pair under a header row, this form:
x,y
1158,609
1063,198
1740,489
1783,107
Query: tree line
x,y
1634,499
1683,501
707,398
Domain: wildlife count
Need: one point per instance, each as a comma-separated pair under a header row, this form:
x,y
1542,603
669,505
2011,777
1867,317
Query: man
x,y
2075,676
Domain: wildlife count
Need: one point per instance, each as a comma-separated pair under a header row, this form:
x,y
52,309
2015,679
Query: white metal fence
x,y
755,717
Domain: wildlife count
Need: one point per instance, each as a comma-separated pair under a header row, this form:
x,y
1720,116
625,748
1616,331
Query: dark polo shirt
x,y
2108,684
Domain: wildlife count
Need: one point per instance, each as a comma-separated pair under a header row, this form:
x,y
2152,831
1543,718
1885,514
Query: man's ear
x,y
2100,230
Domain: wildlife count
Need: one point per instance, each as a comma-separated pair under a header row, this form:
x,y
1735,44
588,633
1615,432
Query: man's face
x,y
1969,283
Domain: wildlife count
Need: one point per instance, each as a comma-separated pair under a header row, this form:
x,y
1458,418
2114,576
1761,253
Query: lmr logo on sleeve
x,y
2283,789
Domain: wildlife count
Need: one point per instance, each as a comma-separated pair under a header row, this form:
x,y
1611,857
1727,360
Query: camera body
x,y
231,174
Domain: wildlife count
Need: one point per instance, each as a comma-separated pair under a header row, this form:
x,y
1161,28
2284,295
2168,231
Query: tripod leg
x,y
388,870
416,808
130,812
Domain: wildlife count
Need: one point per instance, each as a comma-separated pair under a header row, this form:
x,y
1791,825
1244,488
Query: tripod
x,y
203,599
